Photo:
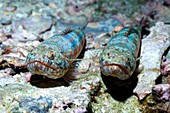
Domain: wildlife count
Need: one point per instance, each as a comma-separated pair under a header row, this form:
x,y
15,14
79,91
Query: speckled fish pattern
x,y
118,58
53,57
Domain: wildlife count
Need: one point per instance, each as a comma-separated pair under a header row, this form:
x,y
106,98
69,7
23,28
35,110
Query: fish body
x,y
52,57
118,58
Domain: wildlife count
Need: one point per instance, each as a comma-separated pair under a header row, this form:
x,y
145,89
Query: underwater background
x,y
76,44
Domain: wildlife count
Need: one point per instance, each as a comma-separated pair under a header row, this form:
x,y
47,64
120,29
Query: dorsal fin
x,y
131,26
84,25
66,31
69,30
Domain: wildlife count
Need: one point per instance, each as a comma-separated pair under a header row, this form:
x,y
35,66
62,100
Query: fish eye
x,y
50,56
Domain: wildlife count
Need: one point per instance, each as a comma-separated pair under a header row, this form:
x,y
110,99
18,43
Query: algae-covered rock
x,y
26,98
153,47
153,104
104,103
161,92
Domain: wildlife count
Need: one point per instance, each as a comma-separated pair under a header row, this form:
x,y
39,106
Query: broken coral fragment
x,y
153,47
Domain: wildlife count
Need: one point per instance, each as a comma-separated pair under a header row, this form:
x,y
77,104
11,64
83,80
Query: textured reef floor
x,y
24,27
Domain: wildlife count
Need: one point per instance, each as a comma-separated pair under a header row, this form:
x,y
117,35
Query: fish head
x,y
117,64
49,62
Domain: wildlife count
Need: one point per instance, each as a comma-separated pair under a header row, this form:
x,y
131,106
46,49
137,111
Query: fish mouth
x,y
119,67
42,63
42,68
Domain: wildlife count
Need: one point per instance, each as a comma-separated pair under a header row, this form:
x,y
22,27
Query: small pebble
x,y
11,8
52,5
34,24
5,21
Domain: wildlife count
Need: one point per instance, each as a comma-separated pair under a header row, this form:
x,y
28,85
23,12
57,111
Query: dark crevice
x,y
40,39
166,3
145,27
158,80
152,14
18,69
166,51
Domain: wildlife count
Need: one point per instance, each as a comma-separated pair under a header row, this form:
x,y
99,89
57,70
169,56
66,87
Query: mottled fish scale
x,y
53,57
118,59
